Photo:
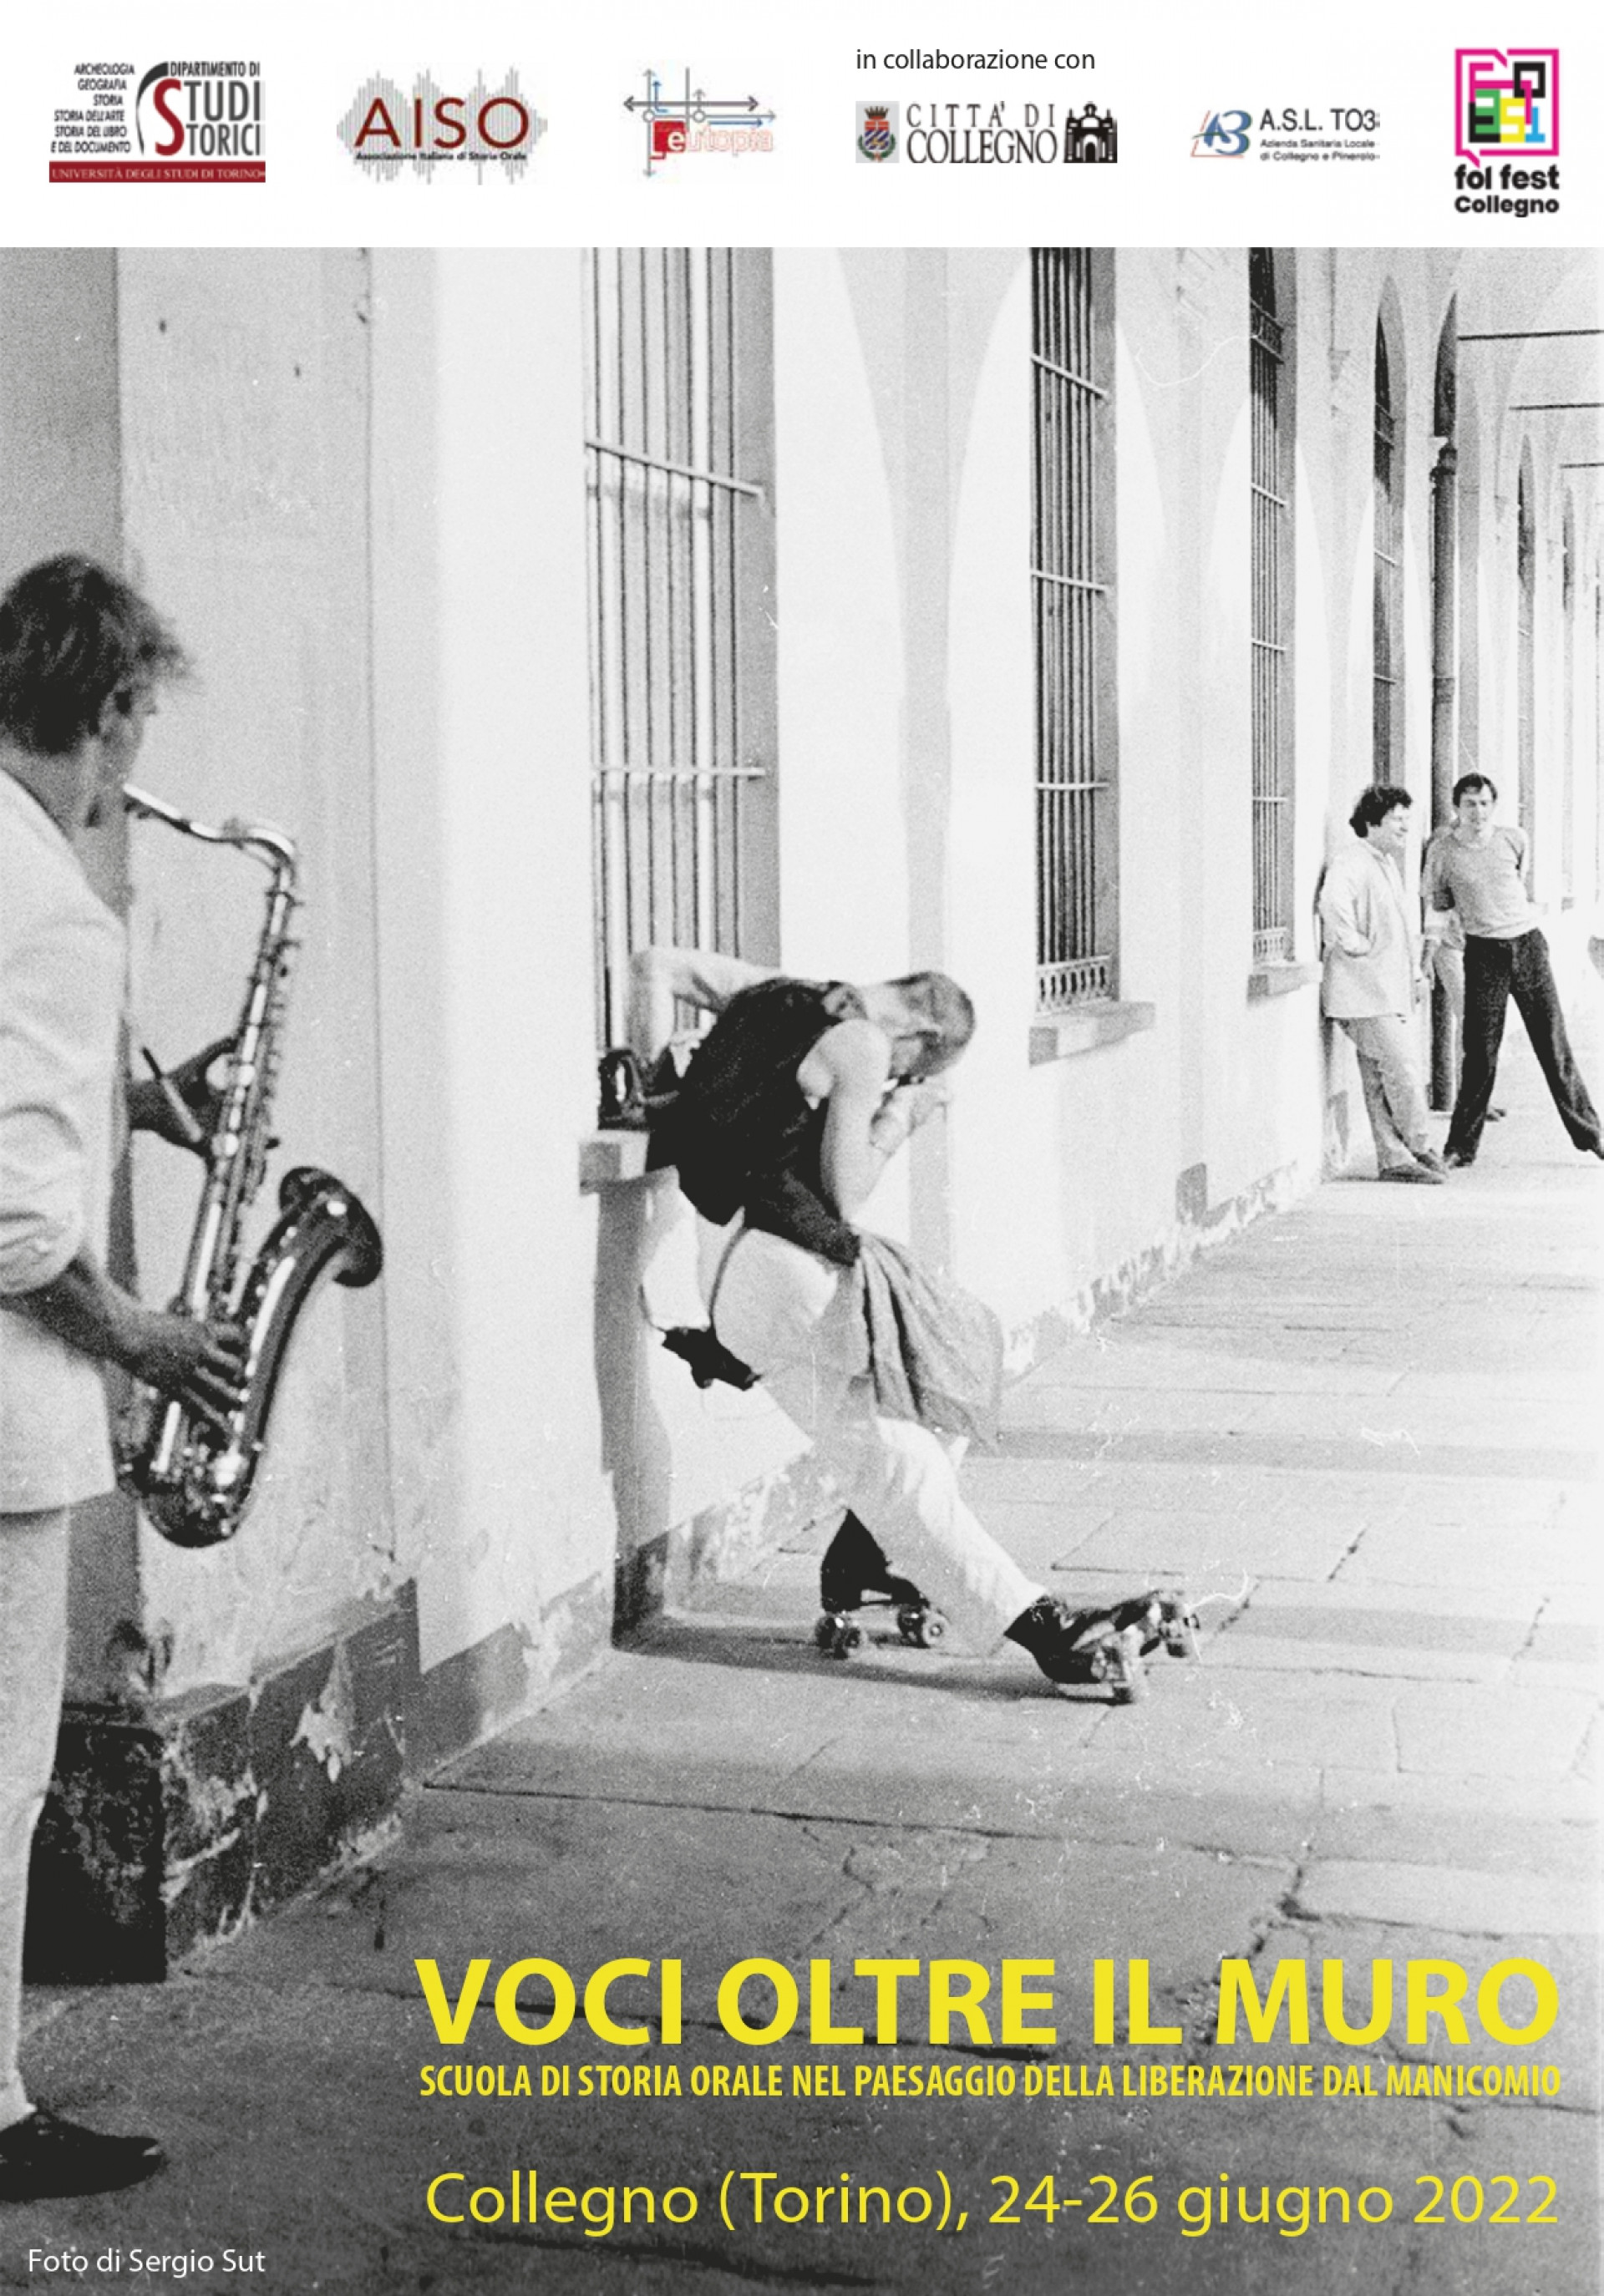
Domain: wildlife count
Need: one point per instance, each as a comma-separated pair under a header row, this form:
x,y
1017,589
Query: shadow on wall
x,y
636,1452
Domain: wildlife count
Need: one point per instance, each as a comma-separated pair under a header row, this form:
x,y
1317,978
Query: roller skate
x,y
1108,1644
853,1577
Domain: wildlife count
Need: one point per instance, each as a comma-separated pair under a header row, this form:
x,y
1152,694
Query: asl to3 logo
x,y
1223,135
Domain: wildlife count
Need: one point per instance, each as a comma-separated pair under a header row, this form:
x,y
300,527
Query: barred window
x,y
1271,586
1568,756
679,456
1071,584
1387,727
1526,648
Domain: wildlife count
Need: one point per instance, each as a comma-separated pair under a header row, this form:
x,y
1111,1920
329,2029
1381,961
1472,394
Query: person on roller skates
x,y
791,1108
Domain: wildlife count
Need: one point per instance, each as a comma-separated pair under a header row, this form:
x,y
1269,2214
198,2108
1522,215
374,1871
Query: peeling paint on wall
x,y
327,1728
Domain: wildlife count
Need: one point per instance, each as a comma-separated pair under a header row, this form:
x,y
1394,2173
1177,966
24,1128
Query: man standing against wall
x,y
1477,872
1371,983
82,658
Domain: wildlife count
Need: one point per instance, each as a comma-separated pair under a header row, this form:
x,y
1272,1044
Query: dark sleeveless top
x,y
740,1130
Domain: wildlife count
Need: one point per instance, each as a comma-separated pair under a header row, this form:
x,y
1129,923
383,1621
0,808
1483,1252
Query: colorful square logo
x,y
1506,104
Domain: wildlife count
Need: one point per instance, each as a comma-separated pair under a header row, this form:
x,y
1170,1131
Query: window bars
x,y
1074,810
679,535
1525,651
1387,726
1270,579
1567,755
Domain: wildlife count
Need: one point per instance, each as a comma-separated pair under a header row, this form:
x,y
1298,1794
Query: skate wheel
x,y
1126,1672
933,1629
837,1636
1180,1638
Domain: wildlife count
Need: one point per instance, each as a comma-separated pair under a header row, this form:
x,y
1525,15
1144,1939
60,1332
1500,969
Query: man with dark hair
x,y
792,1108
81,659
1371,984
1476,870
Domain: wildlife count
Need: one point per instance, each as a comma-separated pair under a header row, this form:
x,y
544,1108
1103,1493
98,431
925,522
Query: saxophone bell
x,y
194,1477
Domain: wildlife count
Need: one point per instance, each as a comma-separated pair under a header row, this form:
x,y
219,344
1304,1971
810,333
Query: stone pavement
x,y
1362,1434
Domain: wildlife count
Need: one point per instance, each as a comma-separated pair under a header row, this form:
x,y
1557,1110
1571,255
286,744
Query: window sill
x,y
1279,980
1059,1035
612,1159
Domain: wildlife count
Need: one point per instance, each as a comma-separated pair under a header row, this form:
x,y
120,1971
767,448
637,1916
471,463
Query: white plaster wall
x,y
538,1427
243,405
842,667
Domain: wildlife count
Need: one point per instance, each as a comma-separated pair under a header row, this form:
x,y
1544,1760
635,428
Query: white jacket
x,y
1368,938
61,1010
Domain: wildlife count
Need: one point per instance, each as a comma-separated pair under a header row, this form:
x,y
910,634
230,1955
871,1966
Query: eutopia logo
x,y
691,124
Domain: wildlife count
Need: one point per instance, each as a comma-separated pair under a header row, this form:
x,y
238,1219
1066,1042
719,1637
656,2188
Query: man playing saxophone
x,y
82,660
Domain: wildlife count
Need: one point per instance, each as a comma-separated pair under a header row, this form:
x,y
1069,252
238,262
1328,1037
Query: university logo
x,y
174,122
491,126
878,125
691,124
1506,104
1223,135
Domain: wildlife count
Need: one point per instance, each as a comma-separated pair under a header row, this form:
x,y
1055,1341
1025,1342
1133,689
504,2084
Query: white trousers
x,y
795,1320
33,1661
1394,1099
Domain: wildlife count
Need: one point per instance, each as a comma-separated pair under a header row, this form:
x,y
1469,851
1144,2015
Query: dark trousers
x,y
1495,971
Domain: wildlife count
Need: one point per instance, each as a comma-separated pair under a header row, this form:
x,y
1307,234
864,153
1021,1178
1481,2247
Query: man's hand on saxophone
x,y
200,1365
179,1104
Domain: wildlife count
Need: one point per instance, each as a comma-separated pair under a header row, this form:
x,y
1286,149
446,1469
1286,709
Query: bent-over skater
x,y
792,1108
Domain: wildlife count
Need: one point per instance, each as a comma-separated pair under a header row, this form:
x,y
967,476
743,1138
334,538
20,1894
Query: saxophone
x,y
194,1477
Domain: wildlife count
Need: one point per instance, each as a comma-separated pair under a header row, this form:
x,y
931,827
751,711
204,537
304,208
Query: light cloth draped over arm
x,y
935,1352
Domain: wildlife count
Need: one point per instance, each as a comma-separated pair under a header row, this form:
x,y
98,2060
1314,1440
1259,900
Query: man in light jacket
x,y
1372,981
83,659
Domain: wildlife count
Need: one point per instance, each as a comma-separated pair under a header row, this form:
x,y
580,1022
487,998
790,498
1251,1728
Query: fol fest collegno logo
x,y
174,122
1506,132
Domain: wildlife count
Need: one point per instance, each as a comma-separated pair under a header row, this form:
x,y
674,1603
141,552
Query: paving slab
x,y
1525,1734
1513,1607
1264,1655
1370,1820
1458,1900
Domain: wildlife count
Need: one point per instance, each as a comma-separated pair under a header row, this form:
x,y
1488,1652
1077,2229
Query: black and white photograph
x,y
799,1207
